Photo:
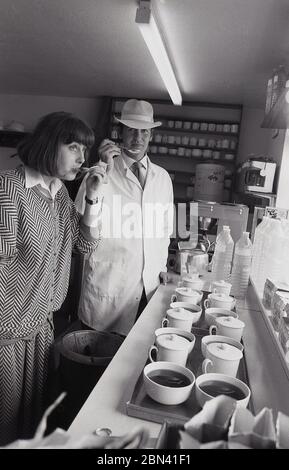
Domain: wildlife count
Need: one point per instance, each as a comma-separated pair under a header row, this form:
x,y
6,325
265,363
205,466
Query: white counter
x,y
106,405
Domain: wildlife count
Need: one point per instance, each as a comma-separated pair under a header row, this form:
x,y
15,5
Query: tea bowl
x,y
178,381
210,385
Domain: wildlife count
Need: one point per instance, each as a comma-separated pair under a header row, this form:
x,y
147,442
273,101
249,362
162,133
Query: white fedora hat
x,y
138,114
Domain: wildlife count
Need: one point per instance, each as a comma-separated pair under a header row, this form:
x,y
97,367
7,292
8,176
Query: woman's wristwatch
x,y
91,201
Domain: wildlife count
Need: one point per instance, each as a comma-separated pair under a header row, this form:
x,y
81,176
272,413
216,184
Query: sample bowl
x,y
168,383
211,385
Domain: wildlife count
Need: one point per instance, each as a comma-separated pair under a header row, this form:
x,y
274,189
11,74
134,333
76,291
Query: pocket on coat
x,y
105,278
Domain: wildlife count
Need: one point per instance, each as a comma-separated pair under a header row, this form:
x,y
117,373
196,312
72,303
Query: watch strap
x,y
91,201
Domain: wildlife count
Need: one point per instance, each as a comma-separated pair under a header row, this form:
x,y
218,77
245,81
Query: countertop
x,y
106,405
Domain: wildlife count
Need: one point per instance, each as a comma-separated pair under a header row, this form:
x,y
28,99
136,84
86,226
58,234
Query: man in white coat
x,y
137,221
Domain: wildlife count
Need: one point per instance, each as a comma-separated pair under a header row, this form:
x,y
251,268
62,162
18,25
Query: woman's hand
x,y
96,177
107,151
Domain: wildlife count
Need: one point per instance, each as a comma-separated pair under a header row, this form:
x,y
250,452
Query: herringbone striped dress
x,y
37,236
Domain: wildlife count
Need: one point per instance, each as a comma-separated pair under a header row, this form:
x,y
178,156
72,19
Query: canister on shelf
x,y
181,151
187,125
196,126
193,141
209,183
204,126
185,140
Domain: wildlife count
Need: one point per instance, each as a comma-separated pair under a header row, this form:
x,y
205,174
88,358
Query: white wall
x,y
283,188
253,139
29,108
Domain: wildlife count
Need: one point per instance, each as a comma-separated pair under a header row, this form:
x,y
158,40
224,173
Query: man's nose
x,y
137,134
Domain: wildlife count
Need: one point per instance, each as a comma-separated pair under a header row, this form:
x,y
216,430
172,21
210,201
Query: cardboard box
x,y
169,437
270,288
284,333
280,304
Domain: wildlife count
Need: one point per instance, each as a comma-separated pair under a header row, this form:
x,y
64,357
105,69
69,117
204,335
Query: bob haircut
x,y
40,150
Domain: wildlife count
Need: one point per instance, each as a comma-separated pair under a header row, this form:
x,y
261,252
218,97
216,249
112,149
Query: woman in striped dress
x,y
39,227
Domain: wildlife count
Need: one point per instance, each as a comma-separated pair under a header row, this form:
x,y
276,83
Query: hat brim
x,y
138,124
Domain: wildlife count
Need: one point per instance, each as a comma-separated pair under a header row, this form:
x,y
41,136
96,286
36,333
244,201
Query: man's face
x,y
136,141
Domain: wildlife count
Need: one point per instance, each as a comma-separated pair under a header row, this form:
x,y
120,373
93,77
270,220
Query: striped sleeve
x,y
84,239
8,219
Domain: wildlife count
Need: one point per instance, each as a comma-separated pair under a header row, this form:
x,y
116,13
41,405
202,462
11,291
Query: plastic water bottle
x,y
273,252
285,268
222,259
241,266
257,258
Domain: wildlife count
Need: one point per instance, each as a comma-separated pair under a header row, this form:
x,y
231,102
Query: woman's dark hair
x,y
40,150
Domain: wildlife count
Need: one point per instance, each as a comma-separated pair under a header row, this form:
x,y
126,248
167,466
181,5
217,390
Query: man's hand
x,y
107,151
165,277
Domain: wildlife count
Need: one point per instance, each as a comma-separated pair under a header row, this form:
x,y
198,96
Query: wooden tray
x,y
142,406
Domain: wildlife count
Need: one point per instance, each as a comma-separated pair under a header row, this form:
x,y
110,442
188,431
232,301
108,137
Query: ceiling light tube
x,y
149,30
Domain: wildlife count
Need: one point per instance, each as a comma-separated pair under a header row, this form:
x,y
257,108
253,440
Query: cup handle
x,y
165,322
207,365
207,303
173,298
213,330
151,349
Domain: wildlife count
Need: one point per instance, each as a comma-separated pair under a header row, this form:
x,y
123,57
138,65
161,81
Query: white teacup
x,y
209,339
196,310
171,348
220,301
168,395
221,287
194,283
186,294
222,358
177,331
179,318
212,313
228,326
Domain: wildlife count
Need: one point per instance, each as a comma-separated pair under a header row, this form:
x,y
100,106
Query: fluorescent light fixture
x,y
149,30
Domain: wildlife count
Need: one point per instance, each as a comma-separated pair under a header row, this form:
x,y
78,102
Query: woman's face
x,y
70,158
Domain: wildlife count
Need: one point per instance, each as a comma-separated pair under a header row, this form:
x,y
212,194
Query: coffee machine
x,y
205,221
233,215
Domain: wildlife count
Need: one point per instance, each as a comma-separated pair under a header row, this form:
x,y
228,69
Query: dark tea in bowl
x,y
168,383
211,385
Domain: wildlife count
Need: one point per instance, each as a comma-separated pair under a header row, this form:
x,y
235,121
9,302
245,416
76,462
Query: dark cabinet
x,y
11,138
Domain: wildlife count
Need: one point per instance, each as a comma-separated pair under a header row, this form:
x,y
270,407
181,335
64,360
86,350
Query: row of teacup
x,y
170,352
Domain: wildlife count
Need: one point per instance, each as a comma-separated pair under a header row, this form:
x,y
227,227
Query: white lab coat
x,y
130,255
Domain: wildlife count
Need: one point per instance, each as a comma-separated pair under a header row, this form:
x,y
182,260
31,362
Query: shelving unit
x,y
190,134
11,138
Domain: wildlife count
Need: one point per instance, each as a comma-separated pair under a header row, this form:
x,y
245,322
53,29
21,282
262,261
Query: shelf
x,y
278,116
195,131
11,138
193,160
187,123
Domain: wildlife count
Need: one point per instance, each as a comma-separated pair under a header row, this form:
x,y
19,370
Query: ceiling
x,y
221,50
